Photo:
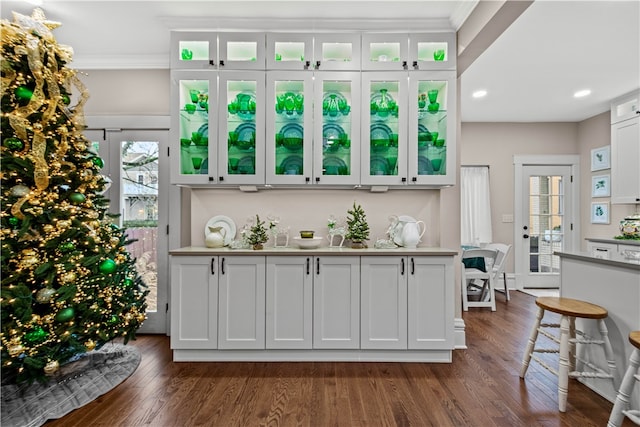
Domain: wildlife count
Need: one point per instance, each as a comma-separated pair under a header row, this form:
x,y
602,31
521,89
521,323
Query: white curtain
x,y
475,205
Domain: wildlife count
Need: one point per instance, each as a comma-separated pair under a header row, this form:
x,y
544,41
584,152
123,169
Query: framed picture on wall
x,y
600,158
600,213
601,186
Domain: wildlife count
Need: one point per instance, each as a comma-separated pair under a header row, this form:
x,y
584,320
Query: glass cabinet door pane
x,y
384,128
384,51
194,127
432,127
289,51
337,129
242,51
289,128
193,50
241,126
336,51
432,51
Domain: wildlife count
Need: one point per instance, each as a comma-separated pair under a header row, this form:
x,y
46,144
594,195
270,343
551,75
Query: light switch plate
x,y
507,217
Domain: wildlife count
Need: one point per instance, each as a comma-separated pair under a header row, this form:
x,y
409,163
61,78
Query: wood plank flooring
x,y
480,388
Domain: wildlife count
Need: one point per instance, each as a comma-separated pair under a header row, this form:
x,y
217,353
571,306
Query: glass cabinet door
x,y
337,128
385,52
289,51
241,51
335,52
432,51
289,127
193,128
431,128
241,127
194,50
384,128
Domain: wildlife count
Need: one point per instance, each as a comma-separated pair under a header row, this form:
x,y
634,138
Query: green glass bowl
x,y
292,143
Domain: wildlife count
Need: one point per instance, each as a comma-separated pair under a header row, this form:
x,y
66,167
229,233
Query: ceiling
x,y
530,72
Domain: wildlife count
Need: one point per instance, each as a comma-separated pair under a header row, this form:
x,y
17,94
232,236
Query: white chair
x,y
499,266
476,281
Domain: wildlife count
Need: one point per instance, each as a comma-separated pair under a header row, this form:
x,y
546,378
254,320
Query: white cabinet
x,y
408,128
241,127
194,302
241,308
289,302
289,134
336,302
312,302
193,144
385,51
625,158
625,107
241,51
194,50
383,306
613,250
430,299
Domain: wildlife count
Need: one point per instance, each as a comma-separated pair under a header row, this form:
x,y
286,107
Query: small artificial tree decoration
x,y
258,234
357,227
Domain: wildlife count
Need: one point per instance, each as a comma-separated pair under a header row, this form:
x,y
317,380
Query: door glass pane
x,y
289,51
289,127
384,128
546,220
432,127
337,52
242,51
384,52
194,126
241,123
432,51
336,127
139,205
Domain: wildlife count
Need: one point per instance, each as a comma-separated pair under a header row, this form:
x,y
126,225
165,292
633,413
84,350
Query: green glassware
x,y
438,55
433,95
193,94
186,55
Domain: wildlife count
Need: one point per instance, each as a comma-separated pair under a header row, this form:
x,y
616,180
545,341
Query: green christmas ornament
x,y
127,282
77,198
13,144
67,247
107,266
44,295
13,221
36,336
23,92
65,314
113,320
98,162
65,99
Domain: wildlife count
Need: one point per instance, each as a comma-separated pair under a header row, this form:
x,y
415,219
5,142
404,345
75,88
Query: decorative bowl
x,y
630,226
292,143
311,243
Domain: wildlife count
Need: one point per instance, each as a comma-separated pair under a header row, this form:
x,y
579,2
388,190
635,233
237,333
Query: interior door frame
x,y
109,126
573,234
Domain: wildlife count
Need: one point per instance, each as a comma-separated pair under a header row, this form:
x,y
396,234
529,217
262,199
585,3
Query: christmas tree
x,y
68,284
357,227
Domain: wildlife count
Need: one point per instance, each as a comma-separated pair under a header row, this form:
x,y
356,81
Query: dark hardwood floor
x,y
480,388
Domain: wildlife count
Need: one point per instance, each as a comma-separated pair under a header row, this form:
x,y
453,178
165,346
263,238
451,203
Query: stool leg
x,y
563,372
624,394
506,288
572,344
531,343
608,352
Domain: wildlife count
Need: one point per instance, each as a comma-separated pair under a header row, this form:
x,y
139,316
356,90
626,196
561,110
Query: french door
x,y
546,211
138,195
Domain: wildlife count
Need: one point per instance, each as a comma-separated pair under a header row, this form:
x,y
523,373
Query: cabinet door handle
x,y
213,270
317,179
221,63
317,265
308,266
307,64
221,178
402,267
404,179
413,266
212,62
414,179
404,65
222,266
317,65
415,64
210,178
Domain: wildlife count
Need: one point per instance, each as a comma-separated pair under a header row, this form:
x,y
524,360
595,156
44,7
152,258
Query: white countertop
x,y
291,251
631,242
584,256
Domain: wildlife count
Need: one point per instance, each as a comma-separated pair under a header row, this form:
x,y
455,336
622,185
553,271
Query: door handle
x,y
525,236
402,268
413,266
317,265
308,266
222,266
213,271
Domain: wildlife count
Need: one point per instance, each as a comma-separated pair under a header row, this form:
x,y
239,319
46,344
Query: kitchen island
x,y
325,304
615,285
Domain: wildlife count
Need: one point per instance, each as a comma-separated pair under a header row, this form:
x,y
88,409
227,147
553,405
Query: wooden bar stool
x,y
569,309
621,407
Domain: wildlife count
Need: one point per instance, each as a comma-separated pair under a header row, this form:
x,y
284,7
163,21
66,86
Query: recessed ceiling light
x,y
582,93
479,93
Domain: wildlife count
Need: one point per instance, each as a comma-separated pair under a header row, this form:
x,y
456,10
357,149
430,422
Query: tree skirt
x,y
75,385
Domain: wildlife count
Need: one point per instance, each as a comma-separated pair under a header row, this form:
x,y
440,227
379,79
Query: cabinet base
x,y
431,356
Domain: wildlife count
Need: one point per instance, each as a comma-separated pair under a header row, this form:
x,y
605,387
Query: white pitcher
x,y
215,237
412,232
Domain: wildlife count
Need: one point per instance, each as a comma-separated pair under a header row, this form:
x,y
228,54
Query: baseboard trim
x,y
460,340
